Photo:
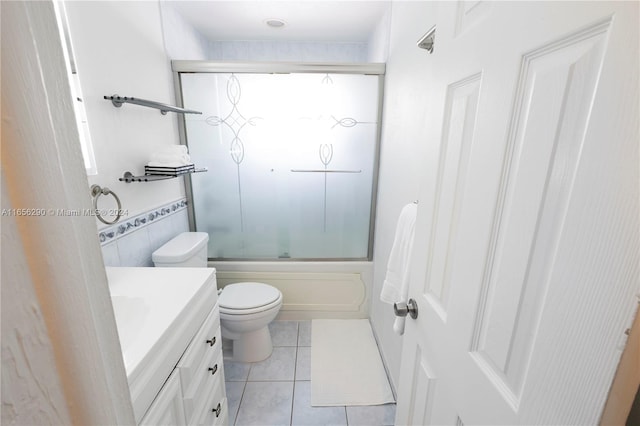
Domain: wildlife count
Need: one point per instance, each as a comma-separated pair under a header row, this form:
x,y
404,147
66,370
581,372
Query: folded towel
x,y
162,159
170,156
169,163
395,288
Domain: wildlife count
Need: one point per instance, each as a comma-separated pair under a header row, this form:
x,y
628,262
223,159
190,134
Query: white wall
x,y
378,43
403,145
181,40
280,51
119,49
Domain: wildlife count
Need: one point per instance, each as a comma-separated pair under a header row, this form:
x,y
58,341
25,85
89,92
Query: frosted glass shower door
x,y
291,161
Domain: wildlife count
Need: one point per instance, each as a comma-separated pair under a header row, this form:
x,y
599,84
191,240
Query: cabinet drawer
x,y
213,417
213,410
210,375
206,344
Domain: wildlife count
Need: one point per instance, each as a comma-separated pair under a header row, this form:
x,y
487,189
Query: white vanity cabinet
x,y
169,328
167,408
194,394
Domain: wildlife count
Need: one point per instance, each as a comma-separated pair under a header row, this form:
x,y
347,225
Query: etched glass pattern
x,y
291,161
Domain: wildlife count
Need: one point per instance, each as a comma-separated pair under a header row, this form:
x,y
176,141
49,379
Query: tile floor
x,y
277,391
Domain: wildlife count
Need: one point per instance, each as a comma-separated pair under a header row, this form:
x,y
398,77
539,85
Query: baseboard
x,y
384,361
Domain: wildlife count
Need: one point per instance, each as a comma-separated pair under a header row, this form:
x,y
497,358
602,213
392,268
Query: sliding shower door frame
x,y
179,67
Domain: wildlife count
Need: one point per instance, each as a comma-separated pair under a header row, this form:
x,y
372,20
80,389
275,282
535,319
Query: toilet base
x,y
253,346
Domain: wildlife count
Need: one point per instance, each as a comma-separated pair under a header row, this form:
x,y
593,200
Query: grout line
x,y
249,372
295,366
235,419
293,401
346,416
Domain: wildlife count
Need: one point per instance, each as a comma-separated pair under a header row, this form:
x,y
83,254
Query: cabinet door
x,y
167,408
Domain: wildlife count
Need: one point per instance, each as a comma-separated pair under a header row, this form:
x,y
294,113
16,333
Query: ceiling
x,y
306,20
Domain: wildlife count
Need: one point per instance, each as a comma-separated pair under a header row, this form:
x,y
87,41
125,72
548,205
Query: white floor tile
x,y
266,403
371,415
279,366
236,371
284,333
305,414
303,363
234,396
304,333
262,393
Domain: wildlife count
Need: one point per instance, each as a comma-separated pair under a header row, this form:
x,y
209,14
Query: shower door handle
x,y
402,309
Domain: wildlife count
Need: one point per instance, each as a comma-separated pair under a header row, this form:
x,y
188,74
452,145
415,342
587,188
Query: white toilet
x,y
246,309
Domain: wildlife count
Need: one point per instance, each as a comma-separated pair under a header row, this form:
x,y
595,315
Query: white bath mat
x,y
346,368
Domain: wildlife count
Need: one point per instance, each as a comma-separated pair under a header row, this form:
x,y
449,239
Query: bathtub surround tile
x,y
372,415
131,241
305,414
303,363
236,371
279,366
128,225
180,221
304,333
234,396
284,333
266,403
135,249
110,254
160,231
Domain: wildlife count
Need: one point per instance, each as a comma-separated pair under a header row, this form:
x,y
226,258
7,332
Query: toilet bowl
x,y
246,310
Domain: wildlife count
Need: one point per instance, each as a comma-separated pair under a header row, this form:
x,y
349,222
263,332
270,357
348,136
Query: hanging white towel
x,y
395,288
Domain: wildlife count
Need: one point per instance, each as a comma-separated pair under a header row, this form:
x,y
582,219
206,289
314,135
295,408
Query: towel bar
x,y
117,102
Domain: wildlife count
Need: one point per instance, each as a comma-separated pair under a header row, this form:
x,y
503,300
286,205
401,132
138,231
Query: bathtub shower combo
x,y
292,157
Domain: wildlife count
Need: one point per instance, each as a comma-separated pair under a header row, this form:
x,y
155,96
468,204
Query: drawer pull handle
x,y
212,341
217,410
213,369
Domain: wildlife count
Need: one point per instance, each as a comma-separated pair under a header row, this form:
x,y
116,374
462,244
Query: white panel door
x,y
525,264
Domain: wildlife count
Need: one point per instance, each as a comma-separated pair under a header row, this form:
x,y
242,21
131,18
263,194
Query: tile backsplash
x,y
132,241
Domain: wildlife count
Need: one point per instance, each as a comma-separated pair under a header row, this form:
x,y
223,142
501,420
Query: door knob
x,y
402,309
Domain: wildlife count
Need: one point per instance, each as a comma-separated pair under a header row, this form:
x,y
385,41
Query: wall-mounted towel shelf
x,y
117,101
129,177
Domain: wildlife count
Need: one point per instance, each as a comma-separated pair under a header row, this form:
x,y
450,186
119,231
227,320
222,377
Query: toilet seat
x,y
248,298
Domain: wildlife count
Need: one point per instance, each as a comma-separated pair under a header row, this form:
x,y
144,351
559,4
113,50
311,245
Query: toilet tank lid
x,y
181,247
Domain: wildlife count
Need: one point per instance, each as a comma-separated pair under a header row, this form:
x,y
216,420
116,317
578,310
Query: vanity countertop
x,y
158,311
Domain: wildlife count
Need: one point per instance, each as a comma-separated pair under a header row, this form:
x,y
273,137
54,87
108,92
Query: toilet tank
x,y
188,249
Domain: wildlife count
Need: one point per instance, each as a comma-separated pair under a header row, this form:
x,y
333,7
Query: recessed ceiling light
x,y
275,23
